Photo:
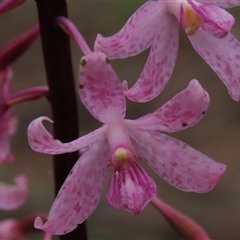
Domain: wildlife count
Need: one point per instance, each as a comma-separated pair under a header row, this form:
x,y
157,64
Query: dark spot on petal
x,y
184,124
64,232
71,172
81,86
83,62
203,112
107,60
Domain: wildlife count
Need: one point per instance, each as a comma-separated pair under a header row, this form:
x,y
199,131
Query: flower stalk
x,y
62,95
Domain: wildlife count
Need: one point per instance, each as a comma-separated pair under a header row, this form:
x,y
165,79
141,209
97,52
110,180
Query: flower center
x,y
122,154
190,20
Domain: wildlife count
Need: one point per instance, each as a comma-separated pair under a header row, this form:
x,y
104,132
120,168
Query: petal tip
x,y
38,223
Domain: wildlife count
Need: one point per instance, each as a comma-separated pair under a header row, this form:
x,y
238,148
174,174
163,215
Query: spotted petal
x,y
223,56
184,110
100,88
130,188
137,34
42,141
221,3
160,63
12,197
176,162
80,193
215,20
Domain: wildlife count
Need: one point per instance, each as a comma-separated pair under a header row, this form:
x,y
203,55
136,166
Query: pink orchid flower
x,y
12,197
118,143
155,25
9,53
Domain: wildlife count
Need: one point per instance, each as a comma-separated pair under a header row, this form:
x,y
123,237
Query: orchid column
x,y
62,94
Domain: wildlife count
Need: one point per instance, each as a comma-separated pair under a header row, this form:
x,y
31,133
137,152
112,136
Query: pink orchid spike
x,y
207,26
7,5
119,144
183,224
12,197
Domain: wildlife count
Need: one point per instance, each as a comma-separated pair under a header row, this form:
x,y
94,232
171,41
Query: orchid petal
x,y
130,188
183,224
42,141
12,197
223,56
27,95
137,34
7,5
176,162
80,193
182,111
215,20
159,65
13,49
221,3
100,88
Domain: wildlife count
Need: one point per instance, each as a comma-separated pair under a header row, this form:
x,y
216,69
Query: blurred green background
x,y
217,135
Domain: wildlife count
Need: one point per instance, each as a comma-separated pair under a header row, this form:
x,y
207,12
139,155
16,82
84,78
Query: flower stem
x,y
62,95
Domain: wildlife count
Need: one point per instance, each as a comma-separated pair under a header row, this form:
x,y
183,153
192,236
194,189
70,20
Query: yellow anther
x,y
191,21
121,154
